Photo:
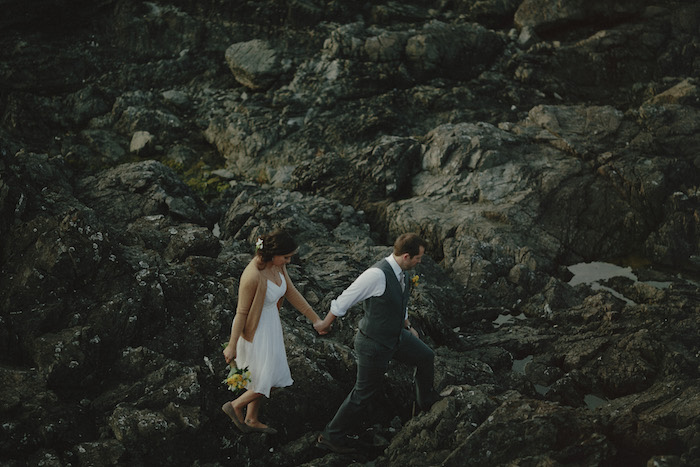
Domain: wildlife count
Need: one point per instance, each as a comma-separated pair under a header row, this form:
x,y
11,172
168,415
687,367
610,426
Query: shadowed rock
x,y
517,138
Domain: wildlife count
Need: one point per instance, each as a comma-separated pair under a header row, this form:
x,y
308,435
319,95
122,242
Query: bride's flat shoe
x,y
228,410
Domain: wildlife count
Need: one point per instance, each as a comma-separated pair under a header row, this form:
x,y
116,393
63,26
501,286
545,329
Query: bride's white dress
x,y
266,357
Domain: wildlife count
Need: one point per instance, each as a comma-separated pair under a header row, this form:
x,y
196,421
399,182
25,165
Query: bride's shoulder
x,y
256,264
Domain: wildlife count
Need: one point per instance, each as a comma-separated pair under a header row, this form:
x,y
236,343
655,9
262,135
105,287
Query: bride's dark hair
x,y
275,243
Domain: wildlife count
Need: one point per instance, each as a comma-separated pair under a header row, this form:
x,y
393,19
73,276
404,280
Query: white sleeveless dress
x,y
266,357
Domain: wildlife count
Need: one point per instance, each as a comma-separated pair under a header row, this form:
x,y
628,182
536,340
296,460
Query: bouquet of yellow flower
x,y
238,378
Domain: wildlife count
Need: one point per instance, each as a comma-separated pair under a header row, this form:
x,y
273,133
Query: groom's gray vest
x,y
384,315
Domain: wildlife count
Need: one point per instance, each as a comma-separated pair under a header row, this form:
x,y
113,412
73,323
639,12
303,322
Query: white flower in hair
x,y
259,244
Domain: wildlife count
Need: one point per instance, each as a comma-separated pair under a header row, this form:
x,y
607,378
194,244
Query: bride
x,y
256,338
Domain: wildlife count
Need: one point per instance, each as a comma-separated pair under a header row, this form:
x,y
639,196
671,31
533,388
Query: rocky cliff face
x,y
145,145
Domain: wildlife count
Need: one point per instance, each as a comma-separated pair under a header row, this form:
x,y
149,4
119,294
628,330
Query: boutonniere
x,y
415,279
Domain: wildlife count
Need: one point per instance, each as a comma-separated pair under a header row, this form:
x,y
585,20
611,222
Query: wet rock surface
x,y
143,152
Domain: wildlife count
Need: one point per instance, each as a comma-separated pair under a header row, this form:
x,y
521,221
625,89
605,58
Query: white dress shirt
x,y
371,283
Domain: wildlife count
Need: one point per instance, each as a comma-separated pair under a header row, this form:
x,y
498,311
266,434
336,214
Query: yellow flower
x,y
415,279
237,378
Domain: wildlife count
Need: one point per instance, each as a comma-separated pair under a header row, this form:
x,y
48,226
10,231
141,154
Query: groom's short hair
x,y
409,243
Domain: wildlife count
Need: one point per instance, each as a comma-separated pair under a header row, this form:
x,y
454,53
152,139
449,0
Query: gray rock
x,y
454,52
189,240
545,14
67,359
255,64
128,184
107,452
545,432
141,142
110,147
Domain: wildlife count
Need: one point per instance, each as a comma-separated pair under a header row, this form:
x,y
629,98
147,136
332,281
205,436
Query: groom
x,y
385,333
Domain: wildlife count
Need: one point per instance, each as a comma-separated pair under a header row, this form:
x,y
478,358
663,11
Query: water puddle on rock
x,y
595,272
506,319
591,273
519,365
583,273
591,400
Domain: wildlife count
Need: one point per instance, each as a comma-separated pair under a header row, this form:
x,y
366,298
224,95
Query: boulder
x,y
255,64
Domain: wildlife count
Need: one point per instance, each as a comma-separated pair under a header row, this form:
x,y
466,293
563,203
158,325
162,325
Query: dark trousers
x,y
372,363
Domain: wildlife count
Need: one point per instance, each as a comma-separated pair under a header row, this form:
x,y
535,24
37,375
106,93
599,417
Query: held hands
x,y
321,328
324,326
